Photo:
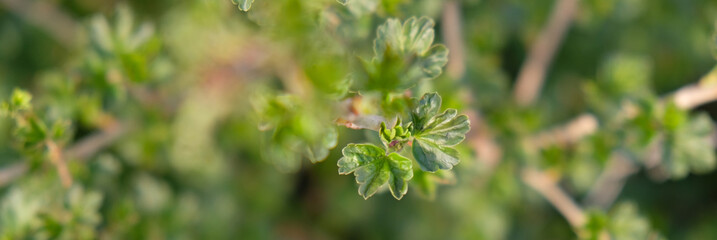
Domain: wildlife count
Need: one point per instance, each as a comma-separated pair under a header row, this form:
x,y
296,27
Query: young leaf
x,y
435,135
373,168
243,5
19,101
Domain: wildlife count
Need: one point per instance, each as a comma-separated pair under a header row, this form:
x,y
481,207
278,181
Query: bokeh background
x,y
173,83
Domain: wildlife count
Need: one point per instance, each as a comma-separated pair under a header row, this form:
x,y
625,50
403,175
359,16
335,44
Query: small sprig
x,y
395,138
432,137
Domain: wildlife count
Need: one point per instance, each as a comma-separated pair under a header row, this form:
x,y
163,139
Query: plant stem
x,y
532,74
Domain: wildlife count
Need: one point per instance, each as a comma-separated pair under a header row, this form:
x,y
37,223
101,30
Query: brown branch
x,y
82,150
692,96
532,74
610,182
613,179
547,187
451,26
483,142
90,145
56,157
576,129
688,97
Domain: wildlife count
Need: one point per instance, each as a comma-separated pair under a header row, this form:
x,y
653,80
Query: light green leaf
x,y
689,148
317,152
373,168
19,101
427,183
344,2
243,5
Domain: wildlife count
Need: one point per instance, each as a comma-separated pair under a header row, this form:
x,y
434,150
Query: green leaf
x,y
427,182
429,105
623,222
446,129
436,134
243,5
627,223
373,169
317,152
344,2
689,147
432,157
297,129
404,54
19,101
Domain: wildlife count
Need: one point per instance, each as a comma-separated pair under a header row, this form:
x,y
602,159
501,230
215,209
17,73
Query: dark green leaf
x,y
435,134
432,157
373,168
428,106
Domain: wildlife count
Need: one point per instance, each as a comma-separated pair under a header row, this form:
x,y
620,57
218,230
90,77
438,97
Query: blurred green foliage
x,y
222,123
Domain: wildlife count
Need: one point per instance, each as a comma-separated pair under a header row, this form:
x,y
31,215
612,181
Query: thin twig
x,y
90,145
451,26
532,74
82,150
483,142
57,158
613,179
610,182
547,187
576,129
688,97
692,96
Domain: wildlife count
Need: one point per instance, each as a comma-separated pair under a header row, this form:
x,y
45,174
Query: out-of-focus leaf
x,y
404,55
373,168
19,101
295,130
689,147
626,223
623,222
427,183
317,152
243,5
